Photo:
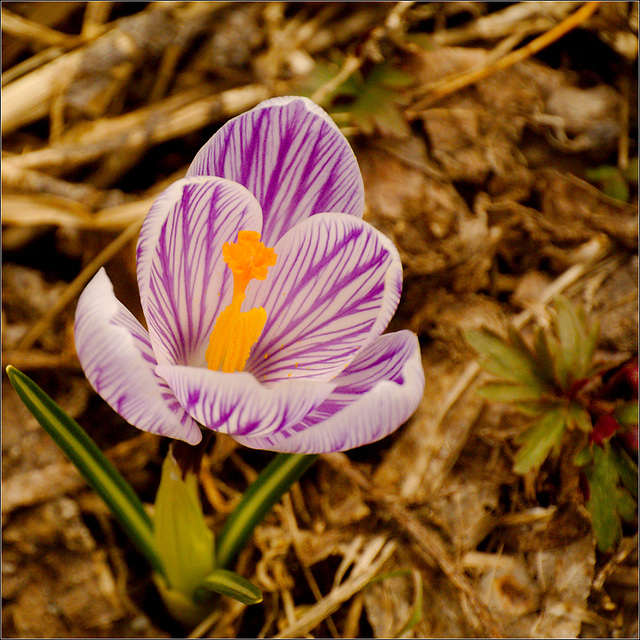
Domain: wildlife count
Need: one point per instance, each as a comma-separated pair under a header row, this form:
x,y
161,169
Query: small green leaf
x,y
535,409
626,468
230,584
625,505
508,392
583,457
611,181
616,187
183,539
539,440
631,172
92,464
378,99
591,345
578,416
627,414
503,360
603,172
572,341
608,502
546,352
604,518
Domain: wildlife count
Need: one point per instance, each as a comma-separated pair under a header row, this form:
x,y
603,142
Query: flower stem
x,y
274,481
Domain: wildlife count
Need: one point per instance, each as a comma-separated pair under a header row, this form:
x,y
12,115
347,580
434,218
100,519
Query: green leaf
x,y
572,341
578,416
611,181
230,584
95,467
608,502
583,457
376,106
535,409
616,187
546,351
625,505
606,523
183,539
508,392
627,469
539,440
591,345
503,360
603,172
631,172
627,414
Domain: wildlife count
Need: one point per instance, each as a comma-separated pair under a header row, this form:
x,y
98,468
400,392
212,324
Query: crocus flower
x,y
265,296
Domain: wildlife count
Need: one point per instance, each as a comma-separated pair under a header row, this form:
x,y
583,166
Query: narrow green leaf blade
x,y
230,584
96,468
509,392
539,440
575,344
546,349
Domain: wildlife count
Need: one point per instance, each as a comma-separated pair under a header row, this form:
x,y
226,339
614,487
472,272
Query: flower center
x,y
235,331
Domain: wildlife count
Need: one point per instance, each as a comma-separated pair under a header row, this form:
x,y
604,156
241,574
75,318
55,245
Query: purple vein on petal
x,y
292,157
322,300
118,359
189,283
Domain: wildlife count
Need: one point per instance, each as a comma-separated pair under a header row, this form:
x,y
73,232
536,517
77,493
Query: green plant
x,y
557,382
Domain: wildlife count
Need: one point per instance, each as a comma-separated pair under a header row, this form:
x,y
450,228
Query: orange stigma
x,y
235,331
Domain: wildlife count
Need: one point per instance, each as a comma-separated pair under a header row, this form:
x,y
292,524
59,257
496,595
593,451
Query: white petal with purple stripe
x,y
116,355
237,404
292,157
375,394
333,289
184,281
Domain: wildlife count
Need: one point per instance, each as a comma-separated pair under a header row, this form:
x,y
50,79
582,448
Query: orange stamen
x,y
236,331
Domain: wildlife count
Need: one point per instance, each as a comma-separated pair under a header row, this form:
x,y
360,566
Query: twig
x,y
36,359
95,15
31,64
627,546
27,341
356,581
292,525
23,28
448,86
428,544
531,16
168,119
350,66
26,180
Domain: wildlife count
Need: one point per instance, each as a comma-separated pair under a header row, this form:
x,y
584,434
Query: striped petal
x,y
237,404
333,290
375,394
183,280
116,355
292,157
